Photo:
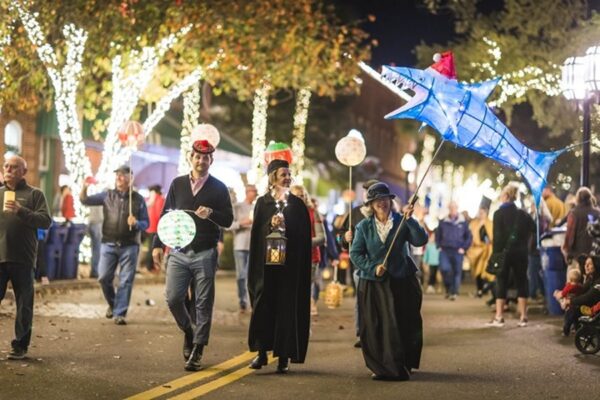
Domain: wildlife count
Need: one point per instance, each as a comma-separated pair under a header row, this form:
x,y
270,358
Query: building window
x,y
45,153
13,138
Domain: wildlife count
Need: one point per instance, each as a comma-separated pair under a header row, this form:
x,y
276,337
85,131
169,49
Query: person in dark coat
x,y
389,295
280,295
577,239
512,230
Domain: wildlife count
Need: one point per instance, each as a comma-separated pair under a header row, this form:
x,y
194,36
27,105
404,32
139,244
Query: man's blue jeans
x,y
112,255
199,268
451,262
241,272
95,232
21,277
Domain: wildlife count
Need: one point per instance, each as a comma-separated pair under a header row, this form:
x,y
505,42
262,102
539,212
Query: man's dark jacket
x,y
18,233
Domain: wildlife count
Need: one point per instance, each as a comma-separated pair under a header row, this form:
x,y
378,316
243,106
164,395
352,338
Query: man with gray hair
x,y
25,210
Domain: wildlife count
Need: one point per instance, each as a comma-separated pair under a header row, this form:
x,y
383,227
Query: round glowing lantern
x,y
131,134
350,150
176,229
278,151
206,132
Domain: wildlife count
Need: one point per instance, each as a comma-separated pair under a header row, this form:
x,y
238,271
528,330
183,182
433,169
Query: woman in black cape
x,y
389,295
280,295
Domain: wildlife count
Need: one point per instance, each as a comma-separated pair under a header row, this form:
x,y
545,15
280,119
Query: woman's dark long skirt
x,y
391,327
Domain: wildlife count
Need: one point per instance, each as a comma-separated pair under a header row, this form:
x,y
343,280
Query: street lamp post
x,y
581,82
408,165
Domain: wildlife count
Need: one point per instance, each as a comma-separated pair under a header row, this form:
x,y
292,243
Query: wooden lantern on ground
x,y
334,293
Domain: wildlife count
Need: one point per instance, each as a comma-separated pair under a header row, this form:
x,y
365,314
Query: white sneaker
x,y
496,323
522,323
430,290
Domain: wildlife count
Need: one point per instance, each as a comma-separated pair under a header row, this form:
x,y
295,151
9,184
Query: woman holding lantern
x,y
389,294
279,273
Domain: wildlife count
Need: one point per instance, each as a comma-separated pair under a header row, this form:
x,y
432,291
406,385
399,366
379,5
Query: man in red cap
x,y
196,263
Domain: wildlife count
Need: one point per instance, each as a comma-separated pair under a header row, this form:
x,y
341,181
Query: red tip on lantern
x,y
131,134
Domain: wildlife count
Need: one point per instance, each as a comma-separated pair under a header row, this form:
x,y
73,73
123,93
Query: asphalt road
x,y
78,354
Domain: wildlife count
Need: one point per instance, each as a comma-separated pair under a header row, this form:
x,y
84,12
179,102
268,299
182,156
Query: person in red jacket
x,y
155,203
67,208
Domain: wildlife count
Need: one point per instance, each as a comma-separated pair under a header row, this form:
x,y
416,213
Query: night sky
x,y
400,25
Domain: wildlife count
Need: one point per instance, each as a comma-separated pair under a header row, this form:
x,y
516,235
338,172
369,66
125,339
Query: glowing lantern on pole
x,y
278,151
206,132
350,151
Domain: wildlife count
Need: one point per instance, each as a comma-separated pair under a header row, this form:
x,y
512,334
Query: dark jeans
x,y
22,278
451,262
433,270
572,314
534,275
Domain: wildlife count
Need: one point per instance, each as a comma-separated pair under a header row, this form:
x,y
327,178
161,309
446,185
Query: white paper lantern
x,y
350,151
176,229
206,132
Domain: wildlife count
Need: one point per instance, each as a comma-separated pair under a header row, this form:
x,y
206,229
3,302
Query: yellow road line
x,y
192,378
216,384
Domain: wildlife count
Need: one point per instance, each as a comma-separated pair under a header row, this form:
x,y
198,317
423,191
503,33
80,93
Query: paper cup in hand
x,y
176,229
9,195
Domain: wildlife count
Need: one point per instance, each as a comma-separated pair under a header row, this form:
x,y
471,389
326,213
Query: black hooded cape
x,y
280,295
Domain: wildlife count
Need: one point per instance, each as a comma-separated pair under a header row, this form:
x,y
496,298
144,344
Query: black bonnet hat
x,y
377,191
276,164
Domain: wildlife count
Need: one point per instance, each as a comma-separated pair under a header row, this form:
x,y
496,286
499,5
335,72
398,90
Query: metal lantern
x,y
206,132
572,81
592,69
276,248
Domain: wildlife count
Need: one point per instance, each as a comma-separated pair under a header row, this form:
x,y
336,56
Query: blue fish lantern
x,y
458,111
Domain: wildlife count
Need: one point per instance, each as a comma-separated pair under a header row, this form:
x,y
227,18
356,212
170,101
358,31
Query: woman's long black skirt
x,y
391,327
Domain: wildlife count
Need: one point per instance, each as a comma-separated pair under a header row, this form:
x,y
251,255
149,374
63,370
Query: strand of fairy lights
x,y
4,43
191,114
128,85
259,130
159,112
65,84
299,133
517,83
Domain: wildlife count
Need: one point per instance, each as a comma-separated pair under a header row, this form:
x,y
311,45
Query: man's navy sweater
x,y
214,194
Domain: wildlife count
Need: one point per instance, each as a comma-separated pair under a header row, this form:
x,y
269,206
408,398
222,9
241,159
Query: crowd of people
x,y
392,257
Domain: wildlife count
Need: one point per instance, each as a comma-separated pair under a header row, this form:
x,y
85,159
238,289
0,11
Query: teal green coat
x,y
367,251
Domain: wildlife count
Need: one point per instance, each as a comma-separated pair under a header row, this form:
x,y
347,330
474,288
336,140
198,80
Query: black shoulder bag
x,y
496,261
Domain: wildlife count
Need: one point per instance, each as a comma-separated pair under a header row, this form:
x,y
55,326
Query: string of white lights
x,y
128,85
159,112
64,82
516,84
259,130
191,114
5,41
299,133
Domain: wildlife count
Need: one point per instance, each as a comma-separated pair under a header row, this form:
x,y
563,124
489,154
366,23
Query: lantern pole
x,y
412,202
350,200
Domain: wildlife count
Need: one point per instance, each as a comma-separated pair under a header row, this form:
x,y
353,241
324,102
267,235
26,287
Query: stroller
x,y
587,336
